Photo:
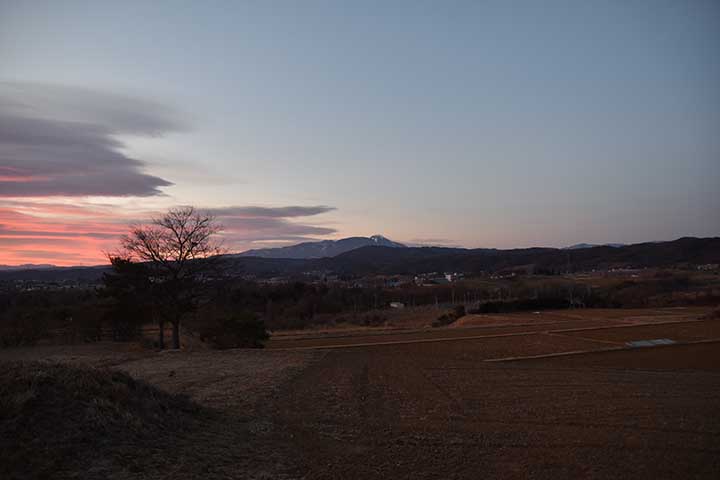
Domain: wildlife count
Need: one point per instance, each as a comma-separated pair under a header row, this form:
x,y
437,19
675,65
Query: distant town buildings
x,y
709,267
435,278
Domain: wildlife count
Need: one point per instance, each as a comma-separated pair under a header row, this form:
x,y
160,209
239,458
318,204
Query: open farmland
x,y
556,394
487,329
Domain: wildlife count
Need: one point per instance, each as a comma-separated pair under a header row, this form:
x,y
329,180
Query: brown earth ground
x,y
437,403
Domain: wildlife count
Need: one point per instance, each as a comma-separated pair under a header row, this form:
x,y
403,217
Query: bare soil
x,y
427,404
709,329
384,413
700,357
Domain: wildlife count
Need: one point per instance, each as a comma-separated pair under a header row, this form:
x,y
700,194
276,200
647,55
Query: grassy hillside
x,y
59,421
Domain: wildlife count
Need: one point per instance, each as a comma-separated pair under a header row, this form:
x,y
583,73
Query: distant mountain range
x,y
375,259
579,246
26,266
322,248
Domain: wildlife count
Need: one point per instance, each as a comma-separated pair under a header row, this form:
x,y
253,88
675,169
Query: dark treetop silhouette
x,y
178,250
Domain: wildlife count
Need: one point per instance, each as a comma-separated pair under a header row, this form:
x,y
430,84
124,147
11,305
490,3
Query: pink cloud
x,y
33,231
80,239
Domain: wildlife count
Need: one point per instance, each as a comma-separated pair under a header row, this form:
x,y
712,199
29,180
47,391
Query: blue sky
x,y
478,123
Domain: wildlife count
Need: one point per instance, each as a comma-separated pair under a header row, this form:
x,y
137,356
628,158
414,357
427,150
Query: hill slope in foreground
x,y
58,419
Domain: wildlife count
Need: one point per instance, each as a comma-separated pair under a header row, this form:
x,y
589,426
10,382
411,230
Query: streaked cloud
x,y
115,112
62,141
291,211
68,234
252,225
62,147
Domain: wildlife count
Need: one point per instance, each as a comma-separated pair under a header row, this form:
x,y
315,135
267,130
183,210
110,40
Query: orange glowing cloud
x,y
60,148
61,234
42,231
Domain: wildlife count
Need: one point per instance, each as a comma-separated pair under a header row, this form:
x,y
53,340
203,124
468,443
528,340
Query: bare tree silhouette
x,y
180,250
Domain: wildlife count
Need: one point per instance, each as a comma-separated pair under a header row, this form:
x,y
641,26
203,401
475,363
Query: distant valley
x,y
26,266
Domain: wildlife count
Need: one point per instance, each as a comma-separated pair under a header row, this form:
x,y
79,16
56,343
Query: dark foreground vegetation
x,y
58,419
236,313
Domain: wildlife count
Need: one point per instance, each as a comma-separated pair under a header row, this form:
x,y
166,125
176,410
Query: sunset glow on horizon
x,y
476,125
38,232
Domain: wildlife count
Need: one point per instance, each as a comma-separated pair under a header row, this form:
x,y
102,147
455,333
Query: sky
x,y
479,124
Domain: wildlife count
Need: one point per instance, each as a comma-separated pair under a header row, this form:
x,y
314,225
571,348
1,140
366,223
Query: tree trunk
x,y
176,334
161,334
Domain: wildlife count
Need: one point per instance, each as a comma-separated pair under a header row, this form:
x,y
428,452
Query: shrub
x,y
244,329
23,329
447,318
373,320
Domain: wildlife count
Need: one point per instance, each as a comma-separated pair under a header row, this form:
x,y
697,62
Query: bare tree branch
x,y
180,248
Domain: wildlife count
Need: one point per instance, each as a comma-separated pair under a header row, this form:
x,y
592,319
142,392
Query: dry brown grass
x,y
58,420
406,410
